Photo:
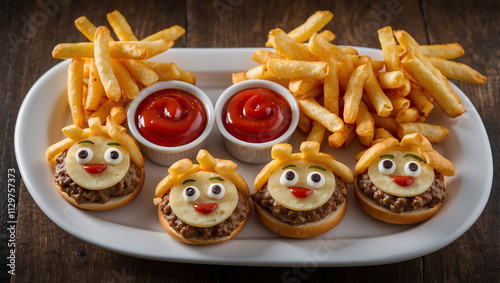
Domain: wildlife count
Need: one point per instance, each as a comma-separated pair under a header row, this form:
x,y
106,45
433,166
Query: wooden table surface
x,y
30,29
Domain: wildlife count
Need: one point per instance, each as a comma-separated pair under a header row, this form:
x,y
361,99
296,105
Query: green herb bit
x,y
85,141
114,143
387,155
216,178
317,167
415,157
188,180
288,166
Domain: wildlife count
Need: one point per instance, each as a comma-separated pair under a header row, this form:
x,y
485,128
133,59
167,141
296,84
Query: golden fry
x,y
443,51
315,111
118,115
120,26
331,94
381,103
305,123
288,47
327,35
339,138
457,71
125,81
102,61
128,50
302,85
317,132
407,115
95,90
354,93
391,80
262,56
388,44
140,72
289,69
187,77
365,125
165,71
170,34
75,91
420,100
434,133
238,77
312,25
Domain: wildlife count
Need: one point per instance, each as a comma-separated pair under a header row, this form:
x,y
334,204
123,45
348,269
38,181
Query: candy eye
x,y
191,193
113,155
413,169
386,166
315,180
84,155
289,178
216,191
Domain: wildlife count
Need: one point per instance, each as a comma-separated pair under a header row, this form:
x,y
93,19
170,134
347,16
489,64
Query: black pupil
x,y
190,192
413,166
216,189
316,177
289,175
83,154
387,164
114,155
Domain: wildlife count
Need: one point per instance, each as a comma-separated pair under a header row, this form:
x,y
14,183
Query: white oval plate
x,y
358,240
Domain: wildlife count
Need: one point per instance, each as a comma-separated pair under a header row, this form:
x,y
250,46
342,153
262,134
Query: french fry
x,y
407,115
125,81
381,103
313,93
317,132
327,35
457,71
324,50
434,86
165,71
354,93
289,48
120,26
72,131
365,125
443,51
348,50
86,27
315,111
339,138
75,91
289,69
128,50
302,85
398,103
387,123
391,80
95,90
118,115
381,133
345,67
420,100
238,77
388,44
169,34
102,61
434,133
262,56
103,111
140,72
331,93
187,76
312,25
305,123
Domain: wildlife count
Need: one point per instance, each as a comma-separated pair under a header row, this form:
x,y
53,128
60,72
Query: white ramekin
x,y
255,153
164,155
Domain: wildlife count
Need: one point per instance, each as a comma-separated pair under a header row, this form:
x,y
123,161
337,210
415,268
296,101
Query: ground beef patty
x,y
430,198
221,230
264,198
81,195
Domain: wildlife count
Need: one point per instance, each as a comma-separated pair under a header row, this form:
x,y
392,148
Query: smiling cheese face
x,y
203,199
97,163
401,172
301,185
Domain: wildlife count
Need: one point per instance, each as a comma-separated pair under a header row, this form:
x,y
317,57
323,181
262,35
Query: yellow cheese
x,y
96,181
281,192
202,180
384,181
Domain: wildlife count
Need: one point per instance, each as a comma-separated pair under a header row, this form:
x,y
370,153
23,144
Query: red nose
x,y
205,208
300,192
94,168
403,181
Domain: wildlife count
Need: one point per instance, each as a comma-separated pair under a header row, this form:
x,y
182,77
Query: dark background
x,y
30,29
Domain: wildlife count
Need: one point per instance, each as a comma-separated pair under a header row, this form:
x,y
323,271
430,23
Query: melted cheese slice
x,y
184,209
96,181
385,183
283,196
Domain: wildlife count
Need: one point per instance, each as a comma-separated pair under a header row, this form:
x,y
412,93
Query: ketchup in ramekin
x,y
171,117
256,115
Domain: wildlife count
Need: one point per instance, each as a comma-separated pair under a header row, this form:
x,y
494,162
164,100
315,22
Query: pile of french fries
x,y
349,95
104,74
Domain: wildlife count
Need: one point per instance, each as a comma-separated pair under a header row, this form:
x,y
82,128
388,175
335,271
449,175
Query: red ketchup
x,y
257,115
171,117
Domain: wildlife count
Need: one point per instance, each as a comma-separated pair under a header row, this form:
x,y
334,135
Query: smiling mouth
x,y
205,208
403,181
95,168
300,192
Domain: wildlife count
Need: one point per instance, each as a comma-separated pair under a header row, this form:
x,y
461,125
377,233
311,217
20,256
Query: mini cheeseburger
x,y
402,182
301,195
205,203
97,168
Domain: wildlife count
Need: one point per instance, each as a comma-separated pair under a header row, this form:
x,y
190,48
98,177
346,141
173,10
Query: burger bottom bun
x,y
384,214
111,204
177,236
300,231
